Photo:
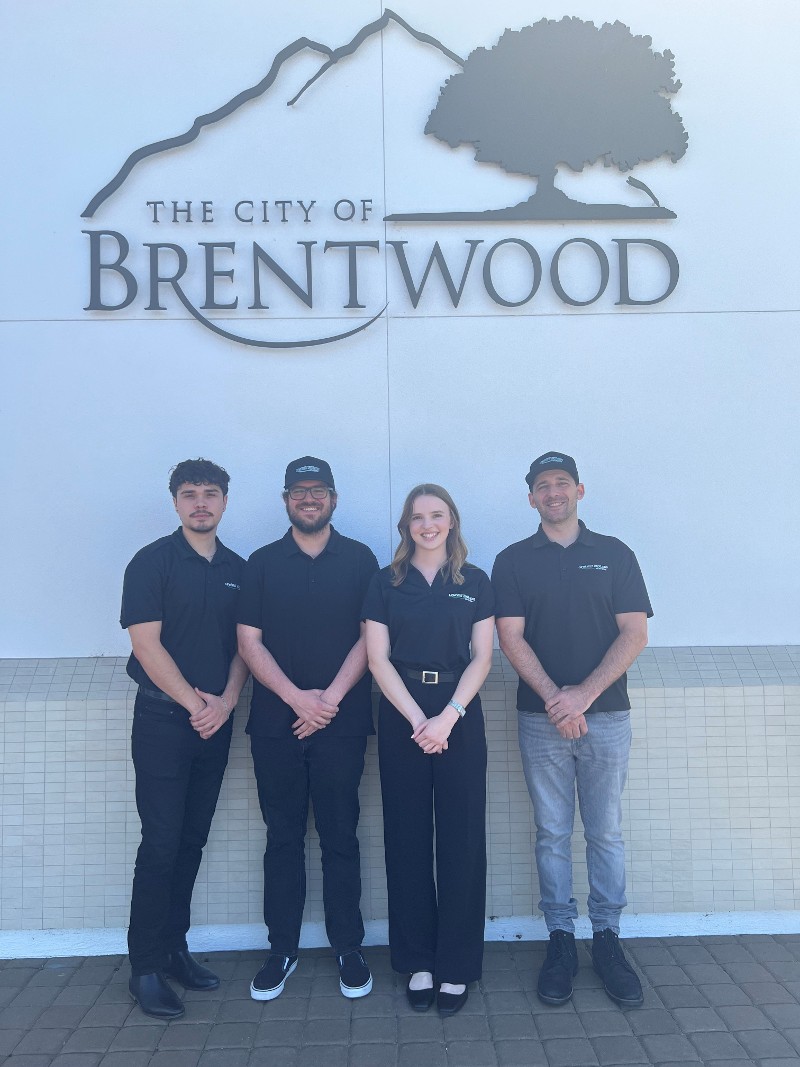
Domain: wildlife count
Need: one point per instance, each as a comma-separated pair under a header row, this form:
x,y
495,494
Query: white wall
x,y
682,416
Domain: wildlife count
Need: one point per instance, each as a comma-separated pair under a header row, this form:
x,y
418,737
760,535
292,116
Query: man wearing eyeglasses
x,y
300,632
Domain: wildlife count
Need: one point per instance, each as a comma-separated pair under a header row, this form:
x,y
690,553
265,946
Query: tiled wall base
x,y
712,806
45,944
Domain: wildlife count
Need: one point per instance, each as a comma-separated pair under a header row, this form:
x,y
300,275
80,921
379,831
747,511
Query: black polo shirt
x,y
430,626
195,602
569,598
309,614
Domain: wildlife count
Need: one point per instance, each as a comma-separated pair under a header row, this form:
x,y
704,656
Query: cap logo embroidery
x,y
301,470
551,459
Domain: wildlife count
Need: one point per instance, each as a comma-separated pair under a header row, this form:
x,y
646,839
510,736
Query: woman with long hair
x,y
429,620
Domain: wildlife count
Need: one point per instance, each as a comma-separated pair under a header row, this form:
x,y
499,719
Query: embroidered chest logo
x,y
232,585
593,567
462,596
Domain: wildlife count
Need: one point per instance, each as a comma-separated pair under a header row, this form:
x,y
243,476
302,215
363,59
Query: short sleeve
x,y
629,591
507,593
484,598
374,604
142,591
249,610
368,568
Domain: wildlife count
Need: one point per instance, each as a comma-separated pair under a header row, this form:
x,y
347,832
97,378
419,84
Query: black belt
x,y
429,677
156,694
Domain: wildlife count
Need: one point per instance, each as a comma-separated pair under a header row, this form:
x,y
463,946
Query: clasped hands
x,y
209,719
314,711
431,734
565,710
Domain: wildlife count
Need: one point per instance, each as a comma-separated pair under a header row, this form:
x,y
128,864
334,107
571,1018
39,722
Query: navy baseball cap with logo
x,y
552,461
308,469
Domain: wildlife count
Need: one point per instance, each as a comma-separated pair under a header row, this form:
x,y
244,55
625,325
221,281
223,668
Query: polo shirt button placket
x,y
563,563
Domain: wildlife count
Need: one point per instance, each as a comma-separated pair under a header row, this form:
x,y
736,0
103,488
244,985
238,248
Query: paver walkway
x,y
726,1001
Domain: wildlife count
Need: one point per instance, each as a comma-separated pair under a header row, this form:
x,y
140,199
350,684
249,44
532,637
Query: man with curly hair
x,y
179,608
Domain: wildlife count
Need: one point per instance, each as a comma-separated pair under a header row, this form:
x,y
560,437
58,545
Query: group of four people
x,y
315,616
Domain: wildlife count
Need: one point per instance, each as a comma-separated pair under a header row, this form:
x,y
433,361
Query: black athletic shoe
x,y
354,977
620,980
270,980
559,968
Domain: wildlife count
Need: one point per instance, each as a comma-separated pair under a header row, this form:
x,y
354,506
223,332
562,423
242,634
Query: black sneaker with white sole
x,y
354,977
270,980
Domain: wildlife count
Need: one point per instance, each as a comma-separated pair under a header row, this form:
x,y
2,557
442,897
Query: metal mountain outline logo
x,y
554,92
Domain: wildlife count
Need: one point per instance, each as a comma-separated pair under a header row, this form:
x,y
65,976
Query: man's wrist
x,y
588,693
291,695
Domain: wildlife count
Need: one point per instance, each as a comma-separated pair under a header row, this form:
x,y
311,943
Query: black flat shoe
x,y
185,969
420,999
154,996
450,1003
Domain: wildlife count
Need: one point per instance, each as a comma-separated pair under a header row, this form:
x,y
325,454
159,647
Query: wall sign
x,y
558,92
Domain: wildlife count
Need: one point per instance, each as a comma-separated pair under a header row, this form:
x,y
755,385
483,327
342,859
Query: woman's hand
x,y
432,734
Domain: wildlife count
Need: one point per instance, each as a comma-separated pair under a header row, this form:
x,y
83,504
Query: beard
x,y
205,524
311,524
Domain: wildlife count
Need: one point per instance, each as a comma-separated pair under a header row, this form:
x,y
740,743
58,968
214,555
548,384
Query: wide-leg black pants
x,y
435,924
178,779
326,769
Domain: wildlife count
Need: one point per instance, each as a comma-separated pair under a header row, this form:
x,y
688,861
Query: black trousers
x,y
178,779
327,770
434,924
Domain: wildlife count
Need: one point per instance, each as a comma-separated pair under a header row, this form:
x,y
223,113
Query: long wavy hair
x,y
456,549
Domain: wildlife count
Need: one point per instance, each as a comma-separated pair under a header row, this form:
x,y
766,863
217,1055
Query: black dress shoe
x,y
185,969
559,968
450,1003
420,999
620,980
154,996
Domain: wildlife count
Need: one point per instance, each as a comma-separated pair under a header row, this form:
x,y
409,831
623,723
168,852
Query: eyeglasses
x,y
318,492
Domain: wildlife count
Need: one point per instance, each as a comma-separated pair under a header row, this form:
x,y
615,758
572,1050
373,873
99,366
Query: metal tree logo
x,y
564,92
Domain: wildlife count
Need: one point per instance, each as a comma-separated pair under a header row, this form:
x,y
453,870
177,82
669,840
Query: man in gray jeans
x,y
572,612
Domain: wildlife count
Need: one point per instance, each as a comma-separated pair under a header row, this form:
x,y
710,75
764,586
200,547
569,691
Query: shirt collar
x,y
185,550
585,537
420,578
291,547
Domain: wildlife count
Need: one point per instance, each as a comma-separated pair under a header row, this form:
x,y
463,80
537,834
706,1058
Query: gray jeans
x,y
598,764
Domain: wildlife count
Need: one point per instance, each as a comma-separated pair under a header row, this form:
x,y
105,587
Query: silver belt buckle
x,y
430,677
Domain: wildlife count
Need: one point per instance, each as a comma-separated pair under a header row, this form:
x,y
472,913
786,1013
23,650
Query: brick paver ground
x,y
724,1001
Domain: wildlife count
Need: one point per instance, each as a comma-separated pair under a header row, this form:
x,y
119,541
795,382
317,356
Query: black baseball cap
x,y
308,469
552,461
